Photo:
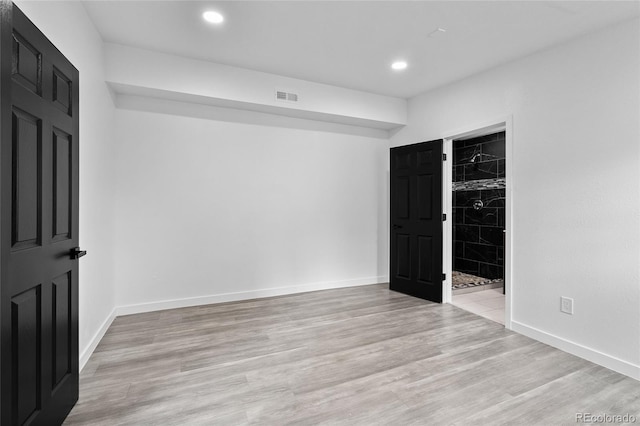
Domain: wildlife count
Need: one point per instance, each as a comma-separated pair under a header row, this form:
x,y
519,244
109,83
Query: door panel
x,y
416,220
425,197
26,331
403,202
62,328
403,259
62,91
425,156
425,254
25,197
27,61
39,225
62,180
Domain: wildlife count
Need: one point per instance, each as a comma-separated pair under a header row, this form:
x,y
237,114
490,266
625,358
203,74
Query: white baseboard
x,y
608,361
243,295
573,348
93,344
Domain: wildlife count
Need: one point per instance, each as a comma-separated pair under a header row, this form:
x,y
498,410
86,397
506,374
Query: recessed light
x,y
399,65
437,32
213,17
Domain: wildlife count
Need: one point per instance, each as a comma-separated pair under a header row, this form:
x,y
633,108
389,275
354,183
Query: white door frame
x,y
506,124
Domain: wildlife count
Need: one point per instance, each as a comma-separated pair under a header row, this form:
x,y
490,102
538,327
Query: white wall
x,y
143,72
576,185
67,25
210,211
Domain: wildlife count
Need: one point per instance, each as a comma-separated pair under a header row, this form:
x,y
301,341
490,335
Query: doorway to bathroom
x,y
478,204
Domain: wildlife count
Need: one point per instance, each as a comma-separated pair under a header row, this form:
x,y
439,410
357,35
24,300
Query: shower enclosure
x,y
478,212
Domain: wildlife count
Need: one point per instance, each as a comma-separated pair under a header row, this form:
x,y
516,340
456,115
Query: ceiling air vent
x,y
281,95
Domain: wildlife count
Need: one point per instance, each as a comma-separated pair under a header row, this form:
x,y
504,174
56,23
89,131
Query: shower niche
x,y
479,183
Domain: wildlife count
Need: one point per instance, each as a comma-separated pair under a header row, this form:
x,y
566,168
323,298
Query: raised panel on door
x,y
26,64
403,261
425,259
425,197
26,180
425,157
26,356
62,90
62,189
62,328
401,199
402,160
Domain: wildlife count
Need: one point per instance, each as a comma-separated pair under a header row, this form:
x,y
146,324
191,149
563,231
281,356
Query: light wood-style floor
x,y
361,356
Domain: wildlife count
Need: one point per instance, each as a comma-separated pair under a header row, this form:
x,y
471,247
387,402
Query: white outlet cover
x,y
566,305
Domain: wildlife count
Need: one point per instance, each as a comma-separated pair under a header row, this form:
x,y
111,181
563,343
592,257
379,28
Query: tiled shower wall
x,y
478,174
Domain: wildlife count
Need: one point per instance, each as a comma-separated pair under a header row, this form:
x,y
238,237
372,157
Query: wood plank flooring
x,y
353,356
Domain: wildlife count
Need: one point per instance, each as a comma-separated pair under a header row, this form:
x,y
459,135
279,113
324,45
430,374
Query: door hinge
x,y
444,217
444,156
444,277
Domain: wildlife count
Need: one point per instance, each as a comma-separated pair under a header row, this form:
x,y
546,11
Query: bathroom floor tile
x,y
486,303
473,307
496,315
492,302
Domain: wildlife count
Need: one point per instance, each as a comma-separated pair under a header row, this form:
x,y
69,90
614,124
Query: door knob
x,y
76,253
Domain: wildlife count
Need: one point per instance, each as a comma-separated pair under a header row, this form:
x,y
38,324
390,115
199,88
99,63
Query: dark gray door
x,y
39,225
416,220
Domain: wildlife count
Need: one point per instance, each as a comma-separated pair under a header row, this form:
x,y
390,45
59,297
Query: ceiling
x,y
353,43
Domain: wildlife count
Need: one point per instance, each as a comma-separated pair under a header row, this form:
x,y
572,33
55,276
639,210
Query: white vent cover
x,y
281,95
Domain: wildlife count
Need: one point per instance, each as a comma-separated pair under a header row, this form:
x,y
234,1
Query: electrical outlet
x,y
566,305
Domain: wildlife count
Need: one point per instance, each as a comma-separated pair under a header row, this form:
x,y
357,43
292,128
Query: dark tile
x,y
495,150
492,197
486,270
458,144
486,216
472,216
458,215
501,218
466,198
481,139
469,233
501,169
464,155
458,173
501,255
492,235
481,252
466,266
490,217
458,250
482,170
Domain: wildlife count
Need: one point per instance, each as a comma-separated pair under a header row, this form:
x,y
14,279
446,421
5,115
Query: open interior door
x,y
416,220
